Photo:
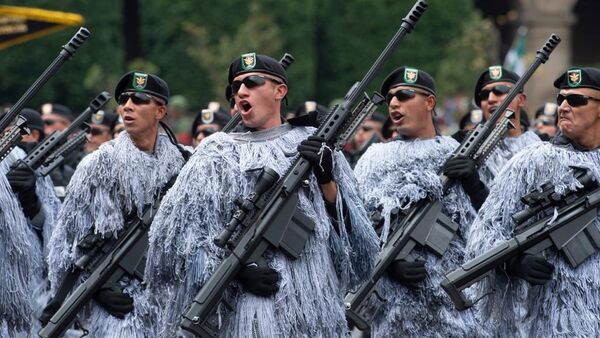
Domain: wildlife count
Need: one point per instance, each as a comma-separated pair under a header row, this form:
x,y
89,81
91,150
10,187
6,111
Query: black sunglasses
x,y
250,82
137,98
497,90
49,122
403,95
574,100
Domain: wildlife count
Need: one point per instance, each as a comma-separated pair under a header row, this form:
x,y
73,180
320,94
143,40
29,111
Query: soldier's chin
x,y
248,122
566,128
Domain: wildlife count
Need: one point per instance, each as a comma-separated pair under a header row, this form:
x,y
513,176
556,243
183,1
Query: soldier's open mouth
x,y
396,117
246,106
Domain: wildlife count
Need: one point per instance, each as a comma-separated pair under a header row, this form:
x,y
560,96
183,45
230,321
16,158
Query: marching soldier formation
x,y
263,229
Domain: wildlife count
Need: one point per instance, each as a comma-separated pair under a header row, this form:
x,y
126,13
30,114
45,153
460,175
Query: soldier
x,y
25,224
546,121
208,122
370,132
545,296
490,90
57,118
468,122
36,128
102,129
110,186
286,298
35,193
397,174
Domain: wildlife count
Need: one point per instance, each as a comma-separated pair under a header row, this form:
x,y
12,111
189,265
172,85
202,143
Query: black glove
x,y
534,269
49,311
115,302
322,163
261,281
21,178
408,273
22,181
464,169
461,168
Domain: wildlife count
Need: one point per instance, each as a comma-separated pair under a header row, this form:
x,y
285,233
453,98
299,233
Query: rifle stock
x,y
274,220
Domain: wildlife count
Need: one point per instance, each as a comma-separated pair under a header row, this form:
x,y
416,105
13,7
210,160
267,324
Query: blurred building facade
x,y
575,21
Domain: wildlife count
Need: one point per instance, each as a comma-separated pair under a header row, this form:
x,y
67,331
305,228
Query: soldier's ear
x,y
430,101
161,112
522,100
280,91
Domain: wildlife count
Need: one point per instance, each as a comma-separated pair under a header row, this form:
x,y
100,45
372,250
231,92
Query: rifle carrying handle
x,y
286,60
76,41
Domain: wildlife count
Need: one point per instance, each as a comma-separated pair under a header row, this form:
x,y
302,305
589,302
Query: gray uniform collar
x,y
262,135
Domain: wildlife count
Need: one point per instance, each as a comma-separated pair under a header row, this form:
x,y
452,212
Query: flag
x,y
20,24
515,58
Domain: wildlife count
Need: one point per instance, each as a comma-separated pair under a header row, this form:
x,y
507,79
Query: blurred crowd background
x,y
191,43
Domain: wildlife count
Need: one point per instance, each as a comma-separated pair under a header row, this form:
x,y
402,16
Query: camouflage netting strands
x,y
109,183
569,304
182,255
398,174
506,149
21,260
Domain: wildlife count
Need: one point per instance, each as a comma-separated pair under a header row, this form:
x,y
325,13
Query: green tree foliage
x,y
468,55
257,33
190,45
355,34
95,67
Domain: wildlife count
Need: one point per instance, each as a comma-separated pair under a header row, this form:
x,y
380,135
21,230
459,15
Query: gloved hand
x,y
261,281
461,168
21,178
322,163
49,311
115,302
464,169
22,181
408,273
534,269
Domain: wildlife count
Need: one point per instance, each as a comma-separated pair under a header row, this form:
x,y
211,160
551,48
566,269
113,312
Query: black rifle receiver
x,y
13,136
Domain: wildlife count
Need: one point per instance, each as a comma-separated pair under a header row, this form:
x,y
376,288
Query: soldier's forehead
x,y
245,75
494,84
400,87
583,91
